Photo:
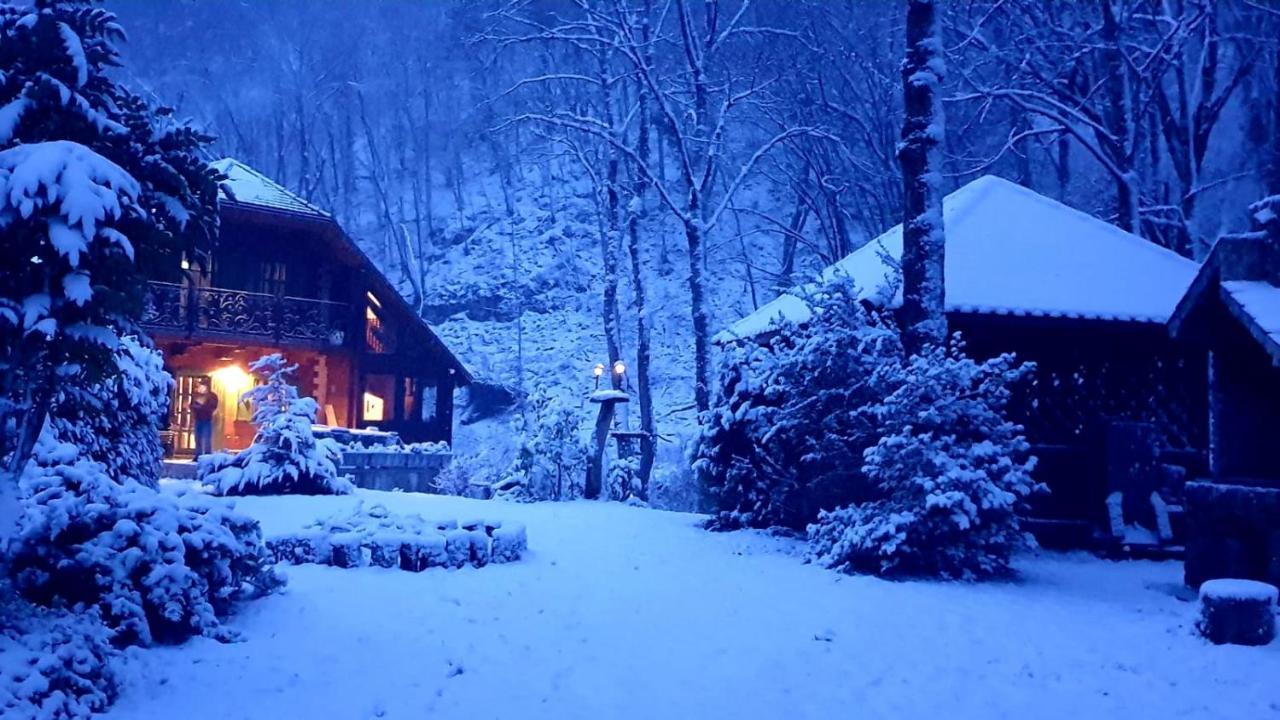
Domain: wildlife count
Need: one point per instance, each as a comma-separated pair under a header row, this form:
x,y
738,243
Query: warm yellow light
x,y
232,378
373,407
598,370
618,367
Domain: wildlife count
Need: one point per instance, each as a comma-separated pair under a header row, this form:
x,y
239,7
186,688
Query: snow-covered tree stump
x,y
422,552
348,550
457,547
1237,612
384,551
509,543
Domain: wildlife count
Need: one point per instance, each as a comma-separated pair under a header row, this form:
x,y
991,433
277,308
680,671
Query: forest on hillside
x,y
557,183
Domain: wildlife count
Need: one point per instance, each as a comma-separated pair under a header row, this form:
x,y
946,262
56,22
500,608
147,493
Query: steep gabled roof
x,y
246,186
248,190
1012,251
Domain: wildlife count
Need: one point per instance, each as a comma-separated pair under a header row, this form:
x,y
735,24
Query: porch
x,y
323,375
351,391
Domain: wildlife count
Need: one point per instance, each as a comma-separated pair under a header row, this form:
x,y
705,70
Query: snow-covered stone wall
x,y
374,536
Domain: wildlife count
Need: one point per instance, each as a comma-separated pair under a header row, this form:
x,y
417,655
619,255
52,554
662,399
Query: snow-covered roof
x,y
247,186
1257,304
1012,251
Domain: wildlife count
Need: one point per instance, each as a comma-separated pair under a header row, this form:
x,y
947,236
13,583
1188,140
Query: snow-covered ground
x,y
621,612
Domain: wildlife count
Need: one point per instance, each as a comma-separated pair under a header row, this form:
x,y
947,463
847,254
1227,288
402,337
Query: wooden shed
x,y
1084,300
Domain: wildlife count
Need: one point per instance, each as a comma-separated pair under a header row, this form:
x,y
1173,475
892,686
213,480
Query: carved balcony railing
x,y
197,311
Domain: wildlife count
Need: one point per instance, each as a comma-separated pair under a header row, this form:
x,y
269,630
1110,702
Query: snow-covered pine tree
x,y
920,154
285,457
118,420
97,182
785,436
60,203
949,472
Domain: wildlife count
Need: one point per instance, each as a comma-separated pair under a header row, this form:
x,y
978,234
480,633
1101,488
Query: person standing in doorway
x,y
203,406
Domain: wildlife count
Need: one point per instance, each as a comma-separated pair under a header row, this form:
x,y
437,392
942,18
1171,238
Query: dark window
x,y
429,403
410,399
272,280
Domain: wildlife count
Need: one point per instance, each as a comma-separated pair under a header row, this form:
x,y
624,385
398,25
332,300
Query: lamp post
x,y
608,401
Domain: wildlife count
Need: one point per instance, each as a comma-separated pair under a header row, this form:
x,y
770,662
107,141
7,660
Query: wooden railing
x,y
194,311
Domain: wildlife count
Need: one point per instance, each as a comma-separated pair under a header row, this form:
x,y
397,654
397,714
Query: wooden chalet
x,y
1083,300
284,277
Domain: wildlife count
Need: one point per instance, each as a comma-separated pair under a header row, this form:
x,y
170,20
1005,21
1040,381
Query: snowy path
x,y
626,613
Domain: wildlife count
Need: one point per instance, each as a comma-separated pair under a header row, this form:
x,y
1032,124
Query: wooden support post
x,y
608,401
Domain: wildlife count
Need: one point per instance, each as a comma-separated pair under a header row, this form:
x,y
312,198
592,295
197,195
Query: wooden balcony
x,y
205,312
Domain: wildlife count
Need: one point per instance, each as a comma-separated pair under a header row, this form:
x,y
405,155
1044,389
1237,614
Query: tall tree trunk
x,y
639,187
609,258
695,226
38,396
920,154
640,307
698,306
1271,170
609,238
1120,126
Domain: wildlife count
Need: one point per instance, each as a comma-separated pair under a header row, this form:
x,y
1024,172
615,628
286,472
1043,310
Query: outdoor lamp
x,y
597,371
619,367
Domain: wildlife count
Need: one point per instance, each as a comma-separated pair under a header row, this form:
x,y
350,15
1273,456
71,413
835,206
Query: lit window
x,y
377,335
374,408
378,399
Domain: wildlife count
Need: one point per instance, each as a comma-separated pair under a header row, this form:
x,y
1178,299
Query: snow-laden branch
x,y
601,130
760,152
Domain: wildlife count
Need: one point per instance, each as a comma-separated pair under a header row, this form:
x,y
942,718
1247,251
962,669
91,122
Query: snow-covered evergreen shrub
x,y
54,664
673,485
456,477
552,454
949,472
285,457
791,417
159,567
117,421
623,481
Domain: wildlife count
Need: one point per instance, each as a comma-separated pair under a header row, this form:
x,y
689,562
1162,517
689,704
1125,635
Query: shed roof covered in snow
x,y
1242,276
1257,304
246,186
1012,251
